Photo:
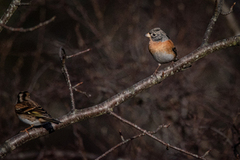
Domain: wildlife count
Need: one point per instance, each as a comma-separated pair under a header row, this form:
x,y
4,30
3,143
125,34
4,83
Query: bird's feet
x,y
26,130
156,70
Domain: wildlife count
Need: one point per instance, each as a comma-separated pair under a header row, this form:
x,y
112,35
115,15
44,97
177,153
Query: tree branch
x,y
76,54
130,139
77,90
28,29
107,106
230,10
217,12
8,14
154,137
63,56
119,98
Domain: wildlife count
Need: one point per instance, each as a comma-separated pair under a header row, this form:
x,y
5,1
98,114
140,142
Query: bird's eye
x,y
153,35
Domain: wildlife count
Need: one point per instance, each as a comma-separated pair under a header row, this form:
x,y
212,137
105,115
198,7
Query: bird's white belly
x,y
30,121
163,57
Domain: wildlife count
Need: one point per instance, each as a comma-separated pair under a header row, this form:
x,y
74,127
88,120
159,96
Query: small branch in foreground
x,y
130,139
154,137
62,55
28,29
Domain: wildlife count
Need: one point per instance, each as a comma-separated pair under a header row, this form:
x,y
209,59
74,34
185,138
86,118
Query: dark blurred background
x,y
201,103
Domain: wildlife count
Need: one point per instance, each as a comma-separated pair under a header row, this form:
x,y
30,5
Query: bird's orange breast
x,y
156,47
162,51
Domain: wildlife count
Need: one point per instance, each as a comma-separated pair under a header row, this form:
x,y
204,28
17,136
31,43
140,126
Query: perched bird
x,y
30,112
161,47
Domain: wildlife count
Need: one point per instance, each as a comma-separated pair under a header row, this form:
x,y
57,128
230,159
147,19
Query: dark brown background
x,y
201,103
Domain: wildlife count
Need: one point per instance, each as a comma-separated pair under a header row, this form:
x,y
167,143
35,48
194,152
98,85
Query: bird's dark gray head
x,y
156,34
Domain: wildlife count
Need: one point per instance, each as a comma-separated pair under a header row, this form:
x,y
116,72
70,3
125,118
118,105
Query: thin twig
x,y
79,53
74,87
77,90
218,10
8,14
28,29
130,139
121,136
230,11
206,153
77,84
62,55
85,93
24,4
154,137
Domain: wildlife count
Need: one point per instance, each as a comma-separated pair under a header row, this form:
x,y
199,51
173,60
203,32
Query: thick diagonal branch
x,y
116,100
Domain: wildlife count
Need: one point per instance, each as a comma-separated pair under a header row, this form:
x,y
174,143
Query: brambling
x,y
31,113
161,47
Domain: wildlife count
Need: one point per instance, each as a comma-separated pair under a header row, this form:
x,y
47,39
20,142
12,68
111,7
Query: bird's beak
x,y
147,35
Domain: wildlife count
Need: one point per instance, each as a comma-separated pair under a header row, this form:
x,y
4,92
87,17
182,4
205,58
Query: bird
x,y
31,113
161,47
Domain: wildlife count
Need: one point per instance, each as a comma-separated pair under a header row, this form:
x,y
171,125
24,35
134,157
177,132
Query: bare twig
x,y
230,11
75,87
218,10
154,137
206,153
24,4
62,55
232,21
130,139
79,53
85,93
8,14
77,90
77,84
120,133
28,29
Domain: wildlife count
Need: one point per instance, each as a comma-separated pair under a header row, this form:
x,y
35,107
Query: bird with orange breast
x,y
161,47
